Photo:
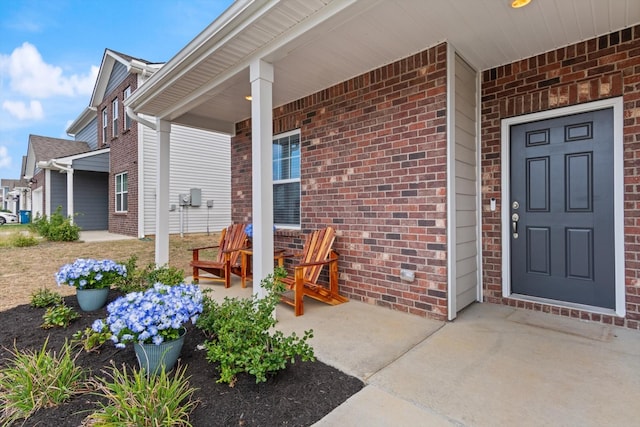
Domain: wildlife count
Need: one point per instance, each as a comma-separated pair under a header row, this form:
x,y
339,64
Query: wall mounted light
x,y
248,97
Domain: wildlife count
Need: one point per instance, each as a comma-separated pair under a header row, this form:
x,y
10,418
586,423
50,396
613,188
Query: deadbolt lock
x,y
515,205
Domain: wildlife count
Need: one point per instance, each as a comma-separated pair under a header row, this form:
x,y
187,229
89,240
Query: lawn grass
x,y
25,270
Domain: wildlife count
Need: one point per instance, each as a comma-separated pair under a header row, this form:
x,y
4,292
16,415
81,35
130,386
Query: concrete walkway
x,y
492,366
102,236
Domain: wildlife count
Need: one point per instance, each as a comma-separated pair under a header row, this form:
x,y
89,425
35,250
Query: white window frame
x,y
122,193
114,113
127,120
104,125
289,180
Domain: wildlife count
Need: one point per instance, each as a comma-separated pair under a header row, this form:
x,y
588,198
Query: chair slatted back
x,y
233,238
317,248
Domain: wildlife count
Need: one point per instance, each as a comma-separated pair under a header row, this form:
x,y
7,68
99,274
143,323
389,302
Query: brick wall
x,y
608,66
123,158
374,167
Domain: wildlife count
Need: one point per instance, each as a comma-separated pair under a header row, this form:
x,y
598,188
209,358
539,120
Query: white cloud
x,y
29,75
21,111
5,159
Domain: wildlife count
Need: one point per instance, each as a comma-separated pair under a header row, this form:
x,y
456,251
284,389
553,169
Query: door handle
x,y
514,224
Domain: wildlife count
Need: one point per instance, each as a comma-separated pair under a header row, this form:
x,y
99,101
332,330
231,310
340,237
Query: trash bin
x,y
25,217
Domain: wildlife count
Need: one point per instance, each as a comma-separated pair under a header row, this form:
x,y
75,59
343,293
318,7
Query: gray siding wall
x,y
91,200
58,192
466,196
199,159
97,163
118,74
89,134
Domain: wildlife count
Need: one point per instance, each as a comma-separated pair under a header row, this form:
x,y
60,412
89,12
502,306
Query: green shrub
x,y
59,316
137,399
34,380
45,298
56,228
240,337
91,340
22,241
141,279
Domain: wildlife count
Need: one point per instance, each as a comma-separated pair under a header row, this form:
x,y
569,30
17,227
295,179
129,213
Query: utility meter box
x,y
196,196
183,199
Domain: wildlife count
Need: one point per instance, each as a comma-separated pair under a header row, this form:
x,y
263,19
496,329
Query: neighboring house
x,y
475,153
15,194
197,170
66,174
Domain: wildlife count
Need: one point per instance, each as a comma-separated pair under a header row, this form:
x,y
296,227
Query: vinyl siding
x,y
118,74
91,199
58,192
199,159
466,234
89,134
97,163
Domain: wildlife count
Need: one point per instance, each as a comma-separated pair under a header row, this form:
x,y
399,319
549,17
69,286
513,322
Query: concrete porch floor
x,y
492,366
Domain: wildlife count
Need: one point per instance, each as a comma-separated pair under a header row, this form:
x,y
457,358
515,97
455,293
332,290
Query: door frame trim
x,y
618,198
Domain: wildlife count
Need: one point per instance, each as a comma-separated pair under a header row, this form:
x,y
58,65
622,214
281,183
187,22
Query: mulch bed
x,y
298,396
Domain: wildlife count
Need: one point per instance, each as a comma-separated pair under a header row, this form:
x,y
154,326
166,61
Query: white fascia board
x,y
188,56
81,121
103,79
70,159
268,50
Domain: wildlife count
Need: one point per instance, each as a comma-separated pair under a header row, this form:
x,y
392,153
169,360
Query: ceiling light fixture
x,y
519,3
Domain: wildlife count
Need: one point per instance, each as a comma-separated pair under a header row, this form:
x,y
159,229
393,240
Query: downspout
x,y
141,177
135,116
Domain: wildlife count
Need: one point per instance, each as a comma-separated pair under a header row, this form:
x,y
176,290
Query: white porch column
x,y
261,77
163,130
70,194
47,194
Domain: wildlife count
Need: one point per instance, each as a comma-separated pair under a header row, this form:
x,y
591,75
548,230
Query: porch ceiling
x,y
314,44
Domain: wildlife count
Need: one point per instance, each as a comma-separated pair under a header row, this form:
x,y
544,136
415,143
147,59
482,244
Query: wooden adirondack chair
x,y
232,239
317,253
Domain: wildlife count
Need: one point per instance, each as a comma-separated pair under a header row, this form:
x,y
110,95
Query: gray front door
x,y
562,225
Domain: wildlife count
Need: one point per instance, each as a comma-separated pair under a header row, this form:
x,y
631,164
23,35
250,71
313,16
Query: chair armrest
x,y
205,247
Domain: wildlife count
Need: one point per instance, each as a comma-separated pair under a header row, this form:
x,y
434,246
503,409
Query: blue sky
x,y
50,51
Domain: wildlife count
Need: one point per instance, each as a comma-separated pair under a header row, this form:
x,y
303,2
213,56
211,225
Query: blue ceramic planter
x,y
92,299
153,357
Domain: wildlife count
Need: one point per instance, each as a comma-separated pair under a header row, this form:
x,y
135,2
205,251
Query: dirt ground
x,y
25,270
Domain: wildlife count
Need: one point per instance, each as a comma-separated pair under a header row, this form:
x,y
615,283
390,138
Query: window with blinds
x,y
286,180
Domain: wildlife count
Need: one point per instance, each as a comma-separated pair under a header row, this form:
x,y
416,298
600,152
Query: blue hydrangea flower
x,y
153,315
90,273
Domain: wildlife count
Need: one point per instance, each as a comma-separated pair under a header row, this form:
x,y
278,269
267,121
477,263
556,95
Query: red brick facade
x,y
373,166
608,66
123,158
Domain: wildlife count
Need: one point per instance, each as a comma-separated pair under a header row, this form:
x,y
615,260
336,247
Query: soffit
x,y
314,44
